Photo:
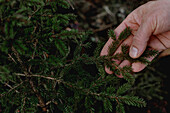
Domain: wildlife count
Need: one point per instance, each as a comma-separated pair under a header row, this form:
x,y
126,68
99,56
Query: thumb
x,y
140,40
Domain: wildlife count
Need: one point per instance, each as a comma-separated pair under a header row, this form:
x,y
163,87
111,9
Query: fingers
x,y
108,71
140,39
128,41
137,67
154,43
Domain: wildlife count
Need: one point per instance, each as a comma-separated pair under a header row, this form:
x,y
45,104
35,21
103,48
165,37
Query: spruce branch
x,y
112,34
134,101
125,34
72,86
122,89
120,108
117,42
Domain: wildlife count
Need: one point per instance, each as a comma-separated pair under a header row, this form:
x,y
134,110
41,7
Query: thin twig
x,y
71,4
1,95
41,76
23,105
52,101
109,11
12,58
19,60
11,87
30,16
33,54
41,101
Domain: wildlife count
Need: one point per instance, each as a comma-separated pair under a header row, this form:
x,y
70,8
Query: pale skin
x,y
150,24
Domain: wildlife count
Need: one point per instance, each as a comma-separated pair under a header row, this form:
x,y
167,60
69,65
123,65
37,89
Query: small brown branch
x,y
1,95
30,16
19,60
41,76
15,87
11,87
12,58
35,28
23,104
117,100
52,101
109,11
40,99
33,54
45,15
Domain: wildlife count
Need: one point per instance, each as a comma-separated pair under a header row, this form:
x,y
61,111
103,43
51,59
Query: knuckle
x,y
138,38
139,41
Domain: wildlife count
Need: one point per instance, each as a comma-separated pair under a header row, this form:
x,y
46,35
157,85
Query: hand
x,y
150,24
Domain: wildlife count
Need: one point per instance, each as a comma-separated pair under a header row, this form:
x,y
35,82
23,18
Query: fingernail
x,y
133,52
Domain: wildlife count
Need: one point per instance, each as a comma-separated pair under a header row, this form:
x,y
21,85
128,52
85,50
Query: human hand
x,y
150,24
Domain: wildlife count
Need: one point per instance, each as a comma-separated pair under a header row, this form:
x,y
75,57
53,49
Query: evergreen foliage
x,y
45,68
